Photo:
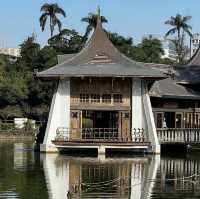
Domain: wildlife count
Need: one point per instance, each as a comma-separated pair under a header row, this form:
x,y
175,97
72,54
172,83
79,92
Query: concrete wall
x,y
142,115
59,115
138,114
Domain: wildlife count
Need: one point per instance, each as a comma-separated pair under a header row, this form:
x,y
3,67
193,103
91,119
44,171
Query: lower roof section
x,y
169,88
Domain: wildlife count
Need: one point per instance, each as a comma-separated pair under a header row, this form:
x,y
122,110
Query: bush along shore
x,y
9,130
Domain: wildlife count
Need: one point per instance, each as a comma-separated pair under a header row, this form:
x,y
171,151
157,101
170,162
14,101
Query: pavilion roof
x,y
99,58
189,73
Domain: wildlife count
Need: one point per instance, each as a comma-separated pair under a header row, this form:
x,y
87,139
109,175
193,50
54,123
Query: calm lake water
x,y
25,174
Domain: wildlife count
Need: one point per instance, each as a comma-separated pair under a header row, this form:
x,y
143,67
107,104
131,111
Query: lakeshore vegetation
x,y
24,96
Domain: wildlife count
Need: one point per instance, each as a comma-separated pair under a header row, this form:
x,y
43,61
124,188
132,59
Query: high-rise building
x,y
15,52
169,49
195,43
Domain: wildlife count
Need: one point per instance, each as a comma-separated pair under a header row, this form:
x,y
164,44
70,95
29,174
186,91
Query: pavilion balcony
x,y
100,135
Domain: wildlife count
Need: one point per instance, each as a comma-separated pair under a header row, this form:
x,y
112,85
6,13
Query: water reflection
x,y
178,177
25,174
93,178
21,175
23,156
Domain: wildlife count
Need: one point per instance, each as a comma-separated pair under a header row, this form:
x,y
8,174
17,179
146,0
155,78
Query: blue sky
x,y
135,18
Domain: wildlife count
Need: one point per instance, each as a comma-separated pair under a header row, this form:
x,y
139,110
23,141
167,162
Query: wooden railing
x,y
100,135
176,135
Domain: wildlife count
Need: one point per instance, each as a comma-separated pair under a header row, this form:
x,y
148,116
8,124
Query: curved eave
x,y
57,76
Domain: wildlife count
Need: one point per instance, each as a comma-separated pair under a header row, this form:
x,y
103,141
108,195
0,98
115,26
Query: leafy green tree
x,y
4,61
180,26
11,111
152,49
51,11
29,53
123,44
67,41
149,50
91,20
13,88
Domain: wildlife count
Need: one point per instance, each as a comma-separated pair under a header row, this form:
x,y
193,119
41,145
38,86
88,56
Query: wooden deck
x,y
99,143
97,138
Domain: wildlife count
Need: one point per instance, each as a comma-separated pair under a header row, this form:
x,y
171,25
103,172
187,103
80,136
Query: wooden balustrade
x,y
179,135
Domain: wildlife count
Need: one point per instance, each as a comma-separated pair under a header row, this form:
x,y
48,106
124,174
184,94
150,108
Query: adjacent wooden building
x,y
176,100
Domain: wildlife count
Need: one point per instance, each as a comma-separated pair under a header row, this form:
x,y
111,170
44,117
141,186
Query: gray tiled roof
x,y
100,58
65,57
190,73
169,88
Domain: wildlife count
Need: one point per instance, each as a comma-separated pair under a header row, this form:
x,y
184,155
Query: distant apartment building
x,y
15,52
169,49
195,43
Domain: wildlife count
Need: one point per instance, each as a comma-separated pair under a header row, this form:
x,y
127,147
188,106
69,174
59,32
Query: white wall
x,y
138,115
59,115
142,114
151,128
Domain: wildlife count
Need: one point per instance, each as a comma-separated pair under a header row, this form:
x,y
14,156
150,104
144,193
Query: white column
x,y
59,115
151,128
57,176
142,114
138,115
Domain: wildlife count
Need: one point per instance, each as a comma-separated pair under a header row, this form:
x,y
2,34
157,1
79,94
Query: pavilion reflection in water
x,y
180,175
94,178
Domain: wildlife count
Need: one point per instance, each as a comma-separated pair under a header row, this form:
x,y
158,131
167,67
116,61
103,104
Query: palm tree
x,y
180,26
91,19
51,11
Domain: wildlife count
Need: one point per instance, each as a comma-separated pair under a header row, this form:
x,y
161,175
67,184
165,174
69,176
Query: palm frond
x,y
45,7
85,19
170,22
103,19
170,32
60,11
43,20
88,31
187,18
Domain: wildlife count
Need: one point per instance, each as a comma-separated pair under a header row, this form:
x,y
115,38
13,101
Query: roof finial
x,y
99,11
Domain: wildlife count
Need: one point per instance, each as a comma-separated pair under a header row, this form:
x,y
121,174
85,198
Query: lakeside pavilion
x,y
102,100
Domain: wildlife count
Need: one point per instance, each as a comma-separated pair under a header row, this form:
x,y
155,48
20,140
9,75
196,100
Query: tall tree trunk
x,y
179,45
51,26
190,47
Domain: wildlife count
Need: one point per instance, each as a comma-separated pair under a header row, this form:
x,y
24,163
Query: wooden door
x,y
125,125
75,130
